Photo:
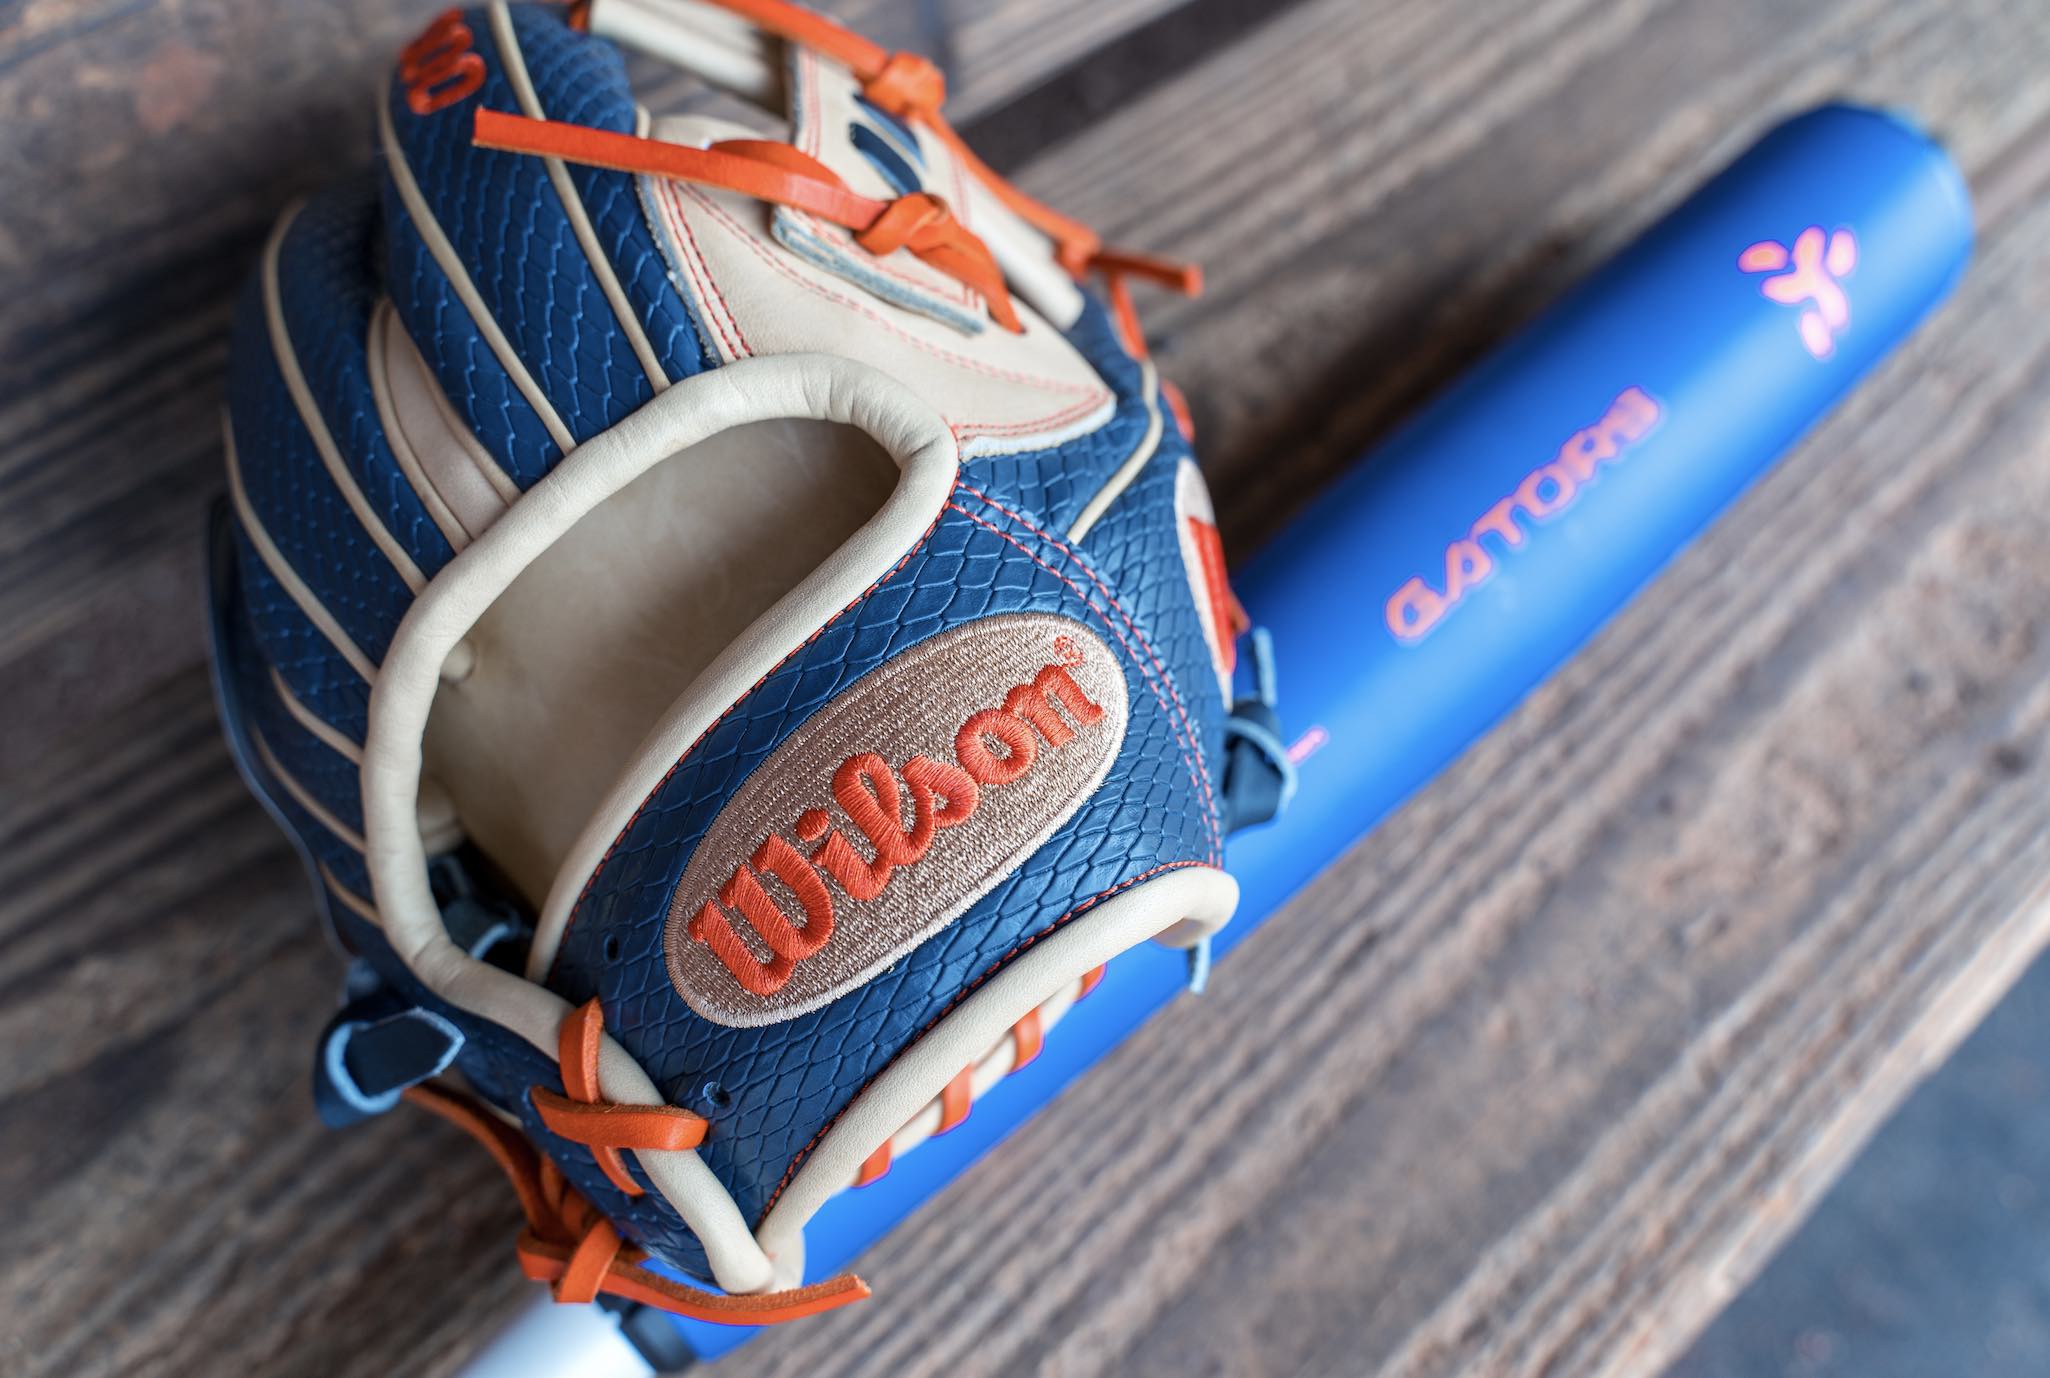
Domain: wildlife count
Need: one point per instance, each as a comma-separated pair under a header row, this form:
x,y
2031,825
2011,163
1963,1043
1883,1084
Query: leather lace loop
x,y
906,86
568,1243
781,175
582,1116
901,221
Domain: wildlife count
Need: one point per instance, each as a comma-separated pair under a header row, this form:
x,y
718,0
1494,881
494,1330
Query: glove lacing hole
x,y
713,1099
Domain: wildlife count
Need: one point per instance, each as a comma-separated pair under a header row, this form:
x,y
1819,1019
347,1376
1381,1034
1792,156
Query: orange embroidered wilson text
x,y
889,812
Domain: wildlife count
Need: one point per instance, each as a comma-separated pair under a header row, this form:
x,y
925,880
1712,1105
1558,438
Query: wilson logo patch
x,y
890,812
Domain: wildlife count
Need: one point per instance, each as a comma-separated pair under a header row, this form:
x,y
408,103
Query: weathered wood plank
x,y
173,1207
1395,207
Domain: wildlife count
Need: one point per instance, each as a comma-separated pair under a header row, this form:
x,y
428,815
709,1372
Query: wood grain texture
x,y
1527,1085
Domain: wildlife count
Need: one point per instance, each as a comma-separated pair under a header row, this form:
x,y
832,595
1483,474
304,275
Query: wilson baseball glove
x,y
729,618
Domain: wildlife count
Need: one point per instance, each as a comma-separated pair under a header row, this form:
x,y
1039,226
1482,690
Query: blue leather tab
x,y
373,1050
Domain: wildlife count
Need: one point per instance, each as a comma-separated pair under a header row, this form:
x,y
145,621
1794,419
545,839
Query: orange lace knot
x,y
599,1125
924,224
907,86
904,220
780,175
568,1243
584,1275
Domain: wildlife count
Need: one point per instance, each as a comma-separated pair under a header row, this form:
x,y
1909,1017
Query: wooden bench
x,y
1530,1084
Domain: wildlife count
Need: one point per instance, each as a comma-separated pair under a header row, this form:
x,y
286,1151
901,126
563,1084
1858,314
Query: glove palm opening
x,y
558,683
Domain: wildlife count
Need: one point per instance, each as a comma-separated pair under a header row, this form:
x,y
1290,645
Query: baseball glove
x,y
730,619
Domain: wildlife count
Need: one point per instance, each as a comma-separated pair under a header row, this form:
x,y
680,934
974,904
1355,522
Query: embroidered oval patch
x,y
890,812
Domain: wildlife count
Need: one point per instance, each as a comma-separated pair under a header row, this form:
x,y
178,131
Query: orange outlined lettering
x,y
993,747
1415,608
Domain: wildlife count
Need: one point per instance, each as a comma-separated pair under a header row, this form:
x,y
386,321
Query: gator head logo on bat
x,y
1812,277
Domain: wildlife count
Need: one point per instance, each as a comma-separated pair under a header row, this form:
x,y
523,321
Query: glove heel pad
x,y
854,1145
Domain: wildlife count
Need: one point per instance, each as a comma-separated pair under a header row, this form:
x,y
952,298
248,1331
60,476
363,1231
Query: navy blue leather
x,y
326,301
476,384
997,549
522,255
297,501
289,642
1057,483
583,82
787,1080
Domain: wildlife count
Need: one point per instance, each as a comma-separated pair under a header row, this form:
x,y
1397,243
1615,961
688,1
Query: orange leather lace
x,y
906,86
568,1244
777,173
1027,1036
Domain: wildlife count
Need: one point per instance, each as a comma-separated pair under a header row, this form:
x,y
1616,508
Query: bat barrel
x,y
1418,600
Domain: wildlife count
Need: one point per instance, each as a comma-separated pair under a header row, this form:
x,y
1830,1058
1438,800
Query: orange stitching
x,y
960,361
788,944
963,202
865,787
687,254
950,1007
777,173
1193,740
1050,422
947,288
1197,775
911,88
701,273
1091,397
807,89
